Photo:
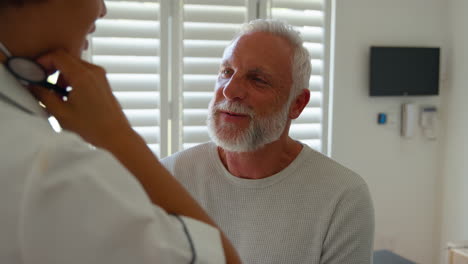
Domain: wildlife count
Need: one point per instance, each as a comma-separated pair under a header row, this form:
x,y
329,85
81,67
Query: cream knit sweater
x,y
314,211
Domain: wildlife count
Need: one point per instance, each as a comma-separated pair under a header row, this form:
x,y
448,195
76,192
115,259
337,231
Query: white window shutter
x,y
127,44
308,17
208,27
162,59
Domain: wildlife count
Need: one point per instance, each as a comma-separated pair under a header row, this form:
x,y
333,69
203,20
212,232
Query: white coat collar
x,y
17,93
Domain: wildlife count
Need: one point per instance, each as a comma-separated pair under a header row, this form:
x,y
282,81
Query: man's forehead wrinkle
x,y
260,70
234,57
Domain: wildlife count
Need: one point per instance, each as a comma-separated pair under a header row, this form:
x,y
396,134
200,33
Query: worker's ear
x,y
299,103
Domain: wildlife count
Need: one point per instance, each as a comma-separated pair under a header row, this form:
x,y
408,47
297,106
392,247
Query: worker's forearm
x,y
162,188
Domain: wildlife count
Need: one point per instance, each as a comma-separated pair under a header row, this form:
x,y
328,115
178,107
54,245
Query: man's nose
x,y
234,89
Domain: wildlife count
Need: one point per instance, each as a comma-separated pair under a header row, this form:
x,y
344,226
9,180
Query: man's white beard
x,y
261,130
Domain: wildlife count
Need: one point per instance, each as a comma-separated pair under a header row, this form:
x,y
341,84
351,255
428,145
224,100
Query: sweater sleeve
x,y
349,238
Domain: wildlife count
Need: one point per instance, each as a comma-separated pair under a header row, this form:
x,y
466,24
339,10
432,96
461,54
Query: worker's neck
x,y
264,162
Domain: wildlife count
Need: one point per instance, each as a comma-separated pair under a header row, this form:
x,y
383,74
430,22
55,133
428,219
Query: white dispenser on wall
x,y
408,120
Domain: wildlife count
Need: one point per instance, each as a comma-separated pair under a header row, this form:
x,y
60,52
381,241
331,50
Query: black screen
x,y
404,71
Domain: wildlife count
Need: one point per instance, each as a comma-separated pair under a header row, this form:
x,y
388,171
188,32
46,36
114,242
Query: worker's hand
x,y
91,110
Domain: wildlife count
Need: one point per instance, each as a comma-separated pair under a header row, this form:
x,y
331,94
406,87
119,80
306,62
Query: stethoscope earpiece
x,y
29,72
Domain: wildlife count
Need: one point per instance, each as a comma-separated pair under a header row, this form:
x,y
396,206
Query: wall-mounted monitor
x,y
396,71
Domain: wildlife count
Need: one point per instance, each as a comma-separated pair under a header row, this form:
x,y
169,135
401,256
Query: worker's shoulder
x,y
25,135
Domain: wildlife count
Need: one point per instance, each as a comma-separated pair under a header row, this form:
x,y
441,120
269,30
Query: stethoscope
x,y
29,72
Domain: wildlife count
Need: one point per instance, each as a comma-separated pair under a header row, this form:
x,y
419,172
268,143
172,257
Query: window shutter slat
x,y
125,47
132,10
315,50
315,100
299,18
197,100
313,143
201,65
206,31
128,64
307,16
214,14
216,2
311,34
316,83
208,28
305,131
128,82
208,49
299,4
126,43
142,117
138,100
127,29
199,83
150,134
195,117
196,134
317,67
311,115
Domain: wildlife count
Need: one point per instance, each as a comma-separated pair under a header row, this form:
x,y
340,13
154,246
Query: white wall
x,y
455,167
402,174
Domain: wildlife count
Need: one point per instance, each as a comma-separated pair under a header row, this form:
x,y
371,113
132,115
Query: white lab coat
x,y
63,202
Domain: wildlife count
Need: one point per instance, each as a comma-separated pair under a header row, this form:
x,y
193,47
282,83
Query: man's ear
x,y
299,103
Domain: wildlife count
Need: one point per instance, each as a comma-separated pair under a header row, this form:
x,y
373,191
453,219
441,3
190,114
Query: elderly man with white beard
x,y
278,200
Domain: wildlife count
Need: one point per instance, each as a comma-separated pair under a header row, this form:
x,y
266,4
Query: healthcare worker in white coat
x,y
62,201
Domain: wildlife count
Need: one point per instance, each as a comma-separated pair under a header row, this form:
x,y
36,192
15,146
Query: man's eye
x,y
259,80
225,72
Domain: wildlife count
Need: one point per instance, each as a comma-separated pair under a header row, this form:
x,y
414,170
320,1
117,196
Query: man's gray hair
x,y
301,66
